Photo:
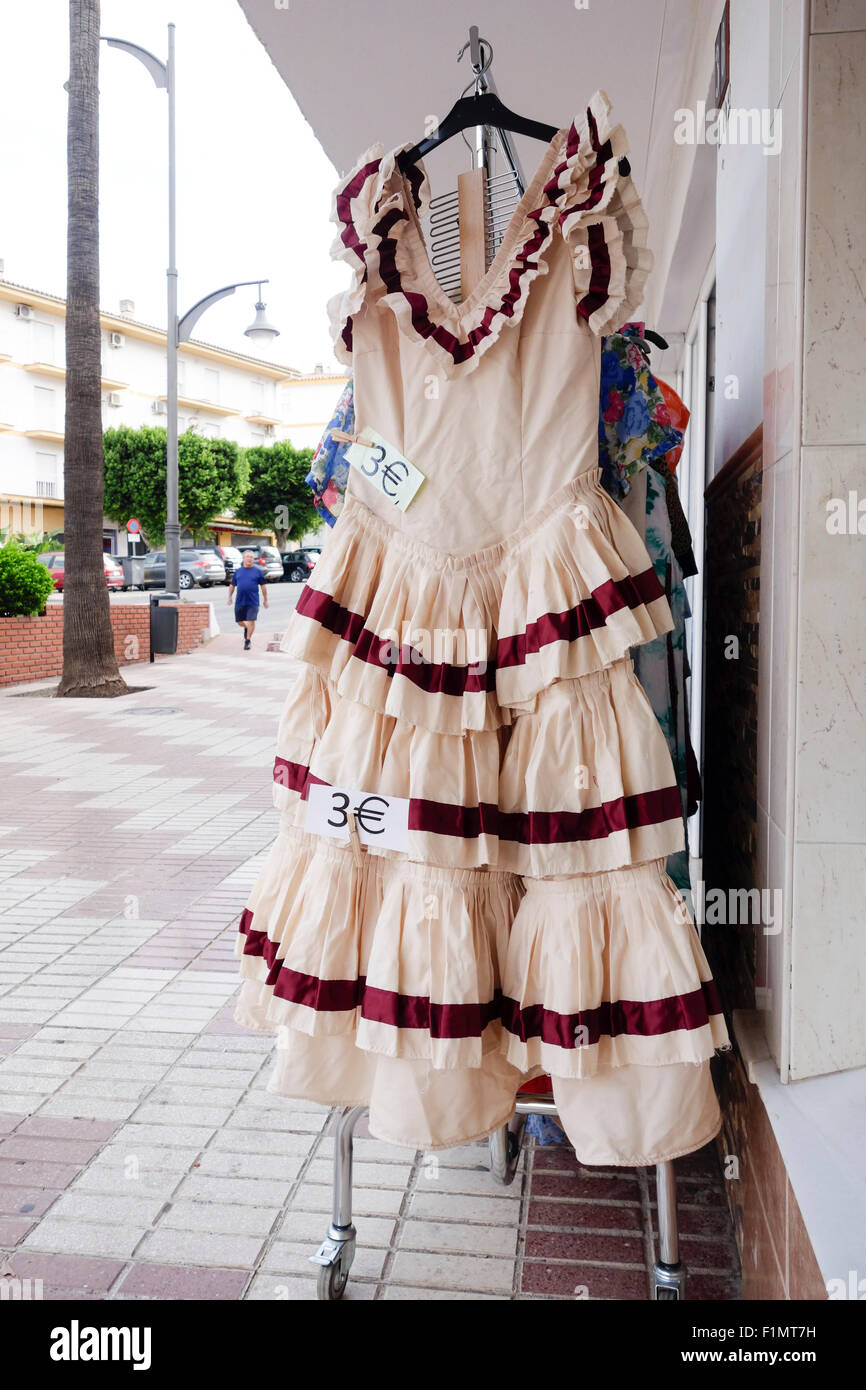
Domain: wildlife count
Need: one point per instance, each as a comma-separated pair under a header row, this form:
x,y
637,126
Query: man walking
x,y
246,580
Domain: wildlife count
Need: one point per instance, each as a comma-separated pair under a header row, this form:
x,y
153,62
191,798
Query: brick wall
x,y
31,649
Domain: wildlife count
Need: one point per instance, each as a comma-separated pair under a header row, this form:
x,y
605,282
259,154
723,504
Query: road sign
x,y
133,526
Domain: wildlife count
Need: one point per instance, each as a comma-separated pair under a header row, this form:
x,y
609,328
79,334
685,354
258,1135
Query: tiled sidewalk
x,y
140,1153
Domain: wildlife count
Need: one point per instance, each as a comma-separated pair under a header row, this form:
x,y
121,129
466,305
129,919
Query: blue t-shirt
x,y
247,581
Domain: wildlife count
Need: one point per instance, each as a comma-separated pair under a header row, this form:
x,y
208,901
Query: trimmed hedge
x,y
25,583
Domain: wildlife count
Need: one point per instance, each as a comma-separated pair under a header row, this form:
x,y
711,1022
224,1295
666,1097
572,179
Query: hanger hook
x,y
482,63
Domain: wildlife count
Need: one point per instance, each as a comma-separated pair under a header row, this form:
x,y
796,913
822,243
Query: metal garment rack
x,y
336,1253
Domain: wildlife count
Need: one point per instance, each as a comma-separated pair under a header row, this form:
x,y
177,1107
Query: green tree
x,y
209,478
277,498
89,665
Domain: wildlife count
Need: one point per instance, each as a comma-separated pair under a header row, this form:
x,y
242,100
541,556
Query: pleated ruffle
x,y
452,643
579,188
434,965
583,784
607,971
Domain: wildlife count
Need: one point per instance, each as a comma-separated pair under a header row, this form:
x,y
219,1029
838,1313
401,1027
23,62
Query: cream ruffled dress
x,y
471,655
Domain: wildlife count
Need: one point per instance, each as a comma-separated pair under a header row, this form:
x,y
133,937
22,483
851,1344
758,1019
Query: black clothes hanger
x,y
483,108
656,338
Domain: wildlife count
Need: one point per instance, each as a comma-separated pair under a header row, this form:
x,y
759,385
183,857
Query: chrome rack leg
x,y
669,1275
337,1251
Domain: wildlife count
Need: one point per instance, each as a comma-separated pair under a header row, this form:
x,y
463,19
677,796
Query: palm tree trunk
x,y
89,665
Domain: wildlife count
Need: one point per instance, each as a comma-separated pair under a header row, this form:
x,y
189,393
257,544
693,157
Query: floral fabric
x,y
329,470
634,427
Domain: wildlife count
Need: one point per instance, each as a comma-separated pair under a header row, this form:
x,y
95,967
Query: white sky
x,y
254,185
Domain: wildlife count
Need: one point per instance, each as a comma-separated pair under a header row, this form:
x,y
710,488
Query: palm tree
x,y
89,664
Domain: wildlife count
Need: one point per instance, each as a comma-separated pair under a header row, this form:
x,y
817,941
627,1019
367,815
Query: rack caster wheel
x,y
331,1283
505,1145
669,1283
334,1257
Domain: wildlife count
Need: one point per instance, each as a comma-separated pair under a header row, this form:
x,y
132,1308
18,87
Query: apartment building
x,y
220,392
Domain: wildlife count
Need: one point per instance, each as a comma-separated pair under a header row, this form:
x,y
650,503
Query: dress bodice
x,y
494,399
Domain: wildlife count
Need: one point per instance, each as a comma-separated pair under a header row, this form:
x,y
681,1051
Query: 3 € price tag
x,y
380,820
394,476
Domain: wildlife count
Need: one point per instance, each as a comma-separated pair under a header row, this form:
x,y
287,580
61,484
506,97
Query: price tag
x,y
394,476
380,820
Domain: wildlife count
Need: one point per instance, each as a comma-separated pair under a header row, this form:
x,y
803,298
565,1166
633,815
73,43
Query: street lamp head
x,y
260,329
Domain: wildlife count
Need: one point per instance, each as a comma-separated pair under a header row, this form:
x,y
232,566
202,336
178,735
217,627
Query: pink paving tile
x,y
578,1245
20,1174
8,1122
18,1030
28,1147
13,1230
24,1201
582,1214
51,1127
67,1273
174,1281
564,1279
222,1025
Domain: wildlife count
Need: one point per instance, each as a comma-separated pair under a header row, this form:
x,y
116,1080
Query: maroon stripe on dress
x,y
349,235
291,775
445,678
418,1011
635,812
329,614
422,324
599,277
587,615
621,1018
444,818
434,677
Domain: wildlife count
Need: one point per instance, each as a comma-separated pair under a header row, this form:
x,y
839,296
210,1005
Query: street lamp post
x,y
177,331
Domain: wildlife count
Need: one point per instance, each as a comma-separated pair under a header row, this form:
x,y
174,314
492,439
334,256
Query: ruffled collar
x,y
378,210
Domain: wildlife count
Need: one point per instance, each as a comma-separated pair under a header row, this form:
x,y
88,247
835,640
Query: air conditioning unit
x,y
115,398
23,311
116,340
159,407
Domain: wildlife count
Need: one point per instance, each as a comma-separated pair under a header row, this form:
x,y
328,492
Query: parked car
x,y
230,556
268,558
196,567
55,561
298,565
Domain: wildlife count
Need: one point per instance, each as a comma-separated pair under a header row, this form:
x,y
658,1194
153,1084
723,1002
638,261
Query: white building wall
x,y
308,404
233,397
741,194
